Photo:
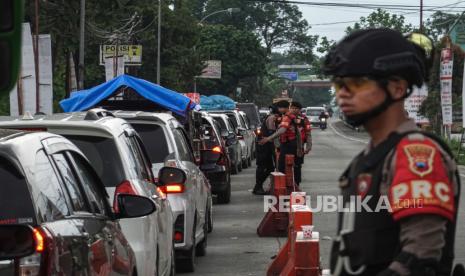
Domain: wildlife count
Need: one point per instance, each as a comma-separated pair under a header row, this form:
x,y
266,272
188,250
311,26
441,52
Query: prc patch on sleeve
x,y
420,181
420,157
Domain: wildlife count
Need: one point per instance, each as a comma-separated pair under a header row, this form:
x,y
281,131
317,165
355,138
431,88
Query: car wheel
x,y
187,263
240,166
225,196
210,219
249,161
244,164
201,249
173,262
234,169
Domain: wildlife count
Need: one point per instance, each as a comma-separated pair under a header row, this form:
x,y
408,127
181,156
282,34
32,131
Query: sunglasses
x,y
353,84
422,41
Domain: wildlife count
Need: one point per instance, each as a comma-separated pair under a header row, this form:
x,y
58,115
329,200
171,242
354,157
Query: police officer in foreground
x,y
295,138
265,153
373,72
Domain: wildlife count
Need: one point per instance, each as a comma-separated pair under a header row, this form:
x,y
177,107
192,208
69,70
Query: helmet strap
x,y
361,118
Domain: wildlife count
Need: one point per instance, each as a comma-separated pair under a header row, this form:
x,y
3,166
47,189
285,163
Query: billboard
x,y
212,70
132,54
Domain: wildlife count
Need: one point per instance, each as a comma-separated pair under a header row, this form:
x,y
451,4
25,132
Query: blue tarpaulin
x,y
217,102
168,99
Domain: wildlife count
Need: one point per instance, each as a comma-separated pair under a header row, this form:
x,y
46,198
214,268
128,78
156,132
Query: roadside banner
x,y
132,54
212,71
195,97
110,69
445,75
45,74
413,103
23,96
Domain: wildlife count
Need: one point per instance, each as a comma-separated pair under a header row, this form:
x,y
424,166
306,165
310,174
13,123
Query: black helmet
x,y
379,53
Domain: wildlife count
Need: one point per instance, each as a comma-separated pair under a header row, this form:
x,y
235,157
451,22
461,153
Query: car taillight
x,y
40,241
178,237
258,131
172,189
125,187
216,149
37,263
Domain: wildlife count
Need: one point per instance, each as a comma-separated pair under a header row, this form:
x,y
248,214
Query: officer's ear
x,y
397,87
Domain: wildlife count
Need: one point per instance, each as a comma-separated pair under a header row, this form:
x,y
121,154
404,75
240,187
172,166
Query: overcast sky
x,y
321,15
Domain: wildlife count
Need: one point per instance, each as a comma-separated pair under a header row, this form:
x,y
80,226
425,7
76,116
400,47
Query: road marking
x,y
347,137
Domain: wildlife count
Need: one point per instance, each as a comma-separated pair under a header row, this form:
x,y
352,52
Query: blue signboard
x,y
293,76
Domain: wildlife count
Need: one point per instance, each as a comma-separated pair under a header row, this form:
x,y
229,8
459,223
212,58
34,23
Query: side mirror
x,y
133,206
224,133
208,159
170,175
16,241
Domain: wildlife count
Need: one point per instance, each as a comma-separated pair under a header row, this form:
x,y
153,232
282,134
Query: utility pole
x,y
36,55
82,44
421,16
159,42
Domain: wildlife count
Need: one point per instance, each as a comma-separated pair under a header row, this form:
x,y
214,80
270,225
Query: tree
x,y
439,24
381,19
243,60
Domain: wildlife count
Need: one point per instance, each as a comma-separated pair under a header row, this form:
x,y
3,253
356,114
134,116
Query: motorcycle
x,y
323,123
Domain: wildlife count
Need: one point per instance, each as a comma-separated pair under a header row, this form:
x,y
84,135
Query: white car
x,y
117,154
313,114
168,145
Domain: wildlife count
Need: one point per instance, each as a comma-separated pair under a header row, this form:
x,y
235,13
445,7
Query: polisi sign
x,y
132,54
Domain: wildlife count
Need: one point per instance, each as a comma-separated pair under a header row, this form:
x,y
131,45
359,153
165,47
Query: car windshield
x,y
314,112
233,120
103,155
252,114
15,200
221,122
154,140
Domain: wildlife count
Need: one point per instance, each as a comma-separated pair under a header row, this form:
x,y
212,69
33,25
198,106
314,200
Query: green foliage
x,y
243,60
381,19
439,24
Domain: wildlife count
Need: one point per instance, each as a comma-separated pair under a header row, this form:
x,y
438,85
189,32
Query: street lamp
x,y
230,11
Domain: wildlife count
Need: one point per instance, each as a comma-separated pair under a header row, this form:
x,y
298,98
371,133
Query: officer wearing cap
x,y
410,171
294,138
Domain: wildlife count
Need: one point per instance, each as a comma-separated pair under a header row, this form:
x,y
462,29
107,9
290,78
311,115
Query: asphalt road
x,y
234,247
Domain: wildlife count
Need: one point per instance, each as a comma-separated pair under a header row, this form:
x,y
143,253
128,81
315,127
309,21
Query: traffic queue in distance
x,y
121,192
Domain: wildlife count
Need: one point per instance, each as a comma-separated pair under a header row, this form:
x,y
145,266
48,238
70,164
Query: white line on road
x,y
347,137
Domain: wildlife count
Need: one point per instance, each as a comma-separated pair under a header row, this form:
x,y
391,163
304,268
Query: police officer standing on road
x,y
295,138
373,72
265,153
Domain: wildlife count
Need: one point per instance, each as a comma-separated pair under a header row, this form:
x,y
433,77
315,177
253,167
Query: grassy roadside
x,y
454,146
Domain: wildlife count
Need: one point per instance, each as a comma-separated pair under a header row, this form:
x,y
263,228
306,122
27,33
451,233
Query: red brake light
x,y
124,188
178,236
217,149
172,189
40,241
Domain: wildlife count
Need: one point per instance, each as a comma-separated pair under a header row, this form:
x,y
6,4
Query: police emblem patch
x,y
363,184
420,157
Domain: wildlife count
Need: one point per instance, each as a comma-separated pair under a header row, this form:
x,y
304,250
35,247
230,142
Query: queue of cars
x,y
115,193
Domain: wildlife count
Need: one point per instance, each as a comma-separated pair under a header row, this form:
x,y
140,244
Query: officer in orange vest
x,y
295,138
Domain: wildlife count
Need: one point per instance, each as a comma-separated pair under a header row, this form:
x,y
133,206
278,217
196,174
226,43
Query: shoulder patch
x,y
420,183
420,157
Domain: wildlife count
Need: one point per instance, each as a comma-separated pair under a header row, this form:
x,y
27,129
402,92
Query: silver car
x,y
167,144
118,156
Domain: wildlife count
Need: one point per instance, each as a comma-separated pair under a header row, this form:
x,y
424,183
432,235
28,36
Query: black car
x,y
49,185
230,138
218,172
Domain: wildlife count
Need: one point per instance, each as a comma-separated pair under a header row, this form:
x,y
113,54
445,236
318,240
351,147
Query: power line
x,y
358,5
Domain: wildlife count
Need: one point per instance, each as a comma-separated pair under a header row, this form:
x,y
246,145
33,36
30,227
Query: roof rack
x,y
97,113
